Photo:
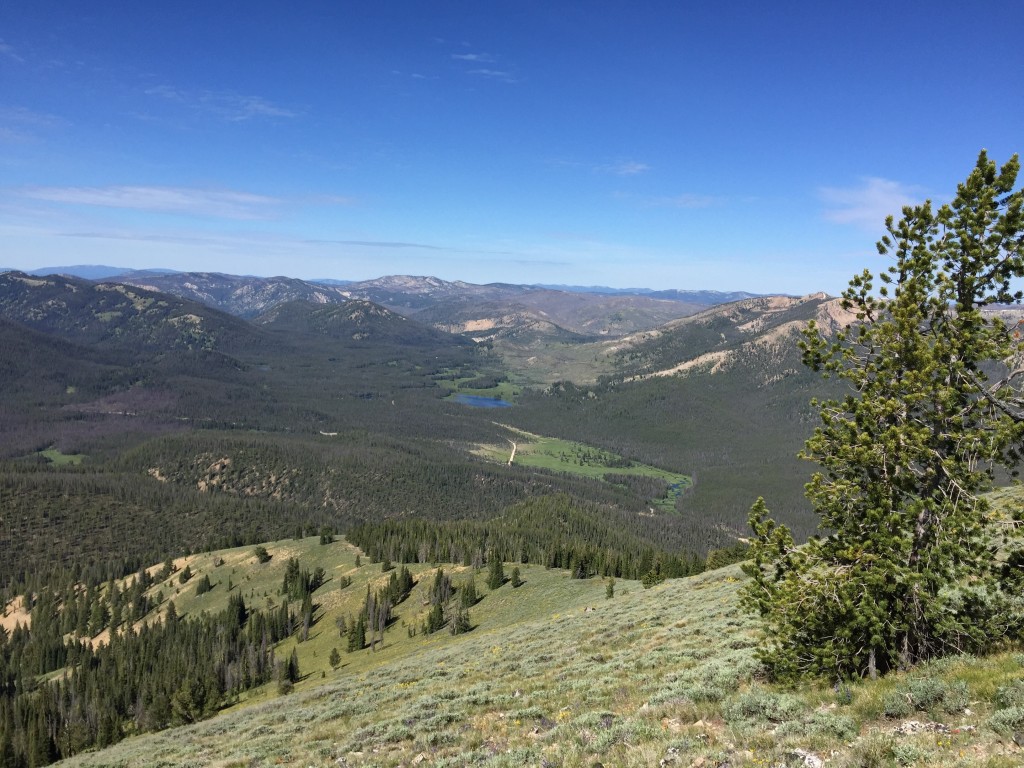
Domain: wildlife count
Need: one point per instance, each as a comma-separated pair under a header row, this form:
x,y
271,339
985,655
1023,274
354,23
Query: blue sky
x,y
732,145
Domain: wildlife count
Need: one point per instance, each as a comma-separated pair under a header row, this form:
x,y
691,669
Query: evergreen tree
x,y
203,585
185,575
609,590
167,570
441,589
460,621
7,757
190,701
467,595
334,659
495,572
293,666
517,580
906,572
435,619
41,749
357,634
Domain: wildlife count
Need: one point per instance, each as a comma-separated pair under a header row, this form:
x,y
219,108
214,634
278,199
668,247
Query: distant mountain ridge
x,y
243,296
672,294
92,271
518,320
116,315
409,284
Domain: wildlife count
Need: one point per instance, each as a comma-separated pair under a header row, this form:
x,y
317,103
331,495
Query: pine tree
x,y
517,580
906,572
495,572
166,571
357,635
334,659
203,585
467,595
435,619
460,621
293,666
7,757
41,749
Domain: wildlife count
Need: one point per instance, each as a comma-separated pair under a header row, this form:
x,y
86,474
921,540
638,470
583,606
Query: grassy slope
x,y
554,673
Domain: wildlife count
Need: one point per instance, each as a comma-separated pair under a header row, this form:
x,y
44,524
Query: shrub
x,y
762,705
926,693
1007,721
896,704
1011,695
822,723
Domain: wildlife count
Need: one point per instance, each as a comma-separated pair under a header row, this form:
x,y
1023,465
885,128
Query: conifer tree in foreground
x,y
907,570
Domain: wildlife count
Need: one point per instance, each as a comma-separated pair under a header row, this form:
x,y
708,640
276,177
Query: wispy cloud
x,y
400,244
685,200
378,244
504,75
413,75
225,204
625,168
480,58
8,50
328,200
617,168
20,124
494,74
146,238
227,105
868,204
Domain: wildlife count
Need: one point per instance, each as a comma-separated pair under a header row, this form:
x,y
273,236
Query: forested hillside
x,y
722,394
339,415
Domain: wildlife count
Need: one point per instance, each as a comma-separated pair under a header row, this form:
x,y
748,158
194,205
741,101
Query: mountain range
x,y
203,421
666,383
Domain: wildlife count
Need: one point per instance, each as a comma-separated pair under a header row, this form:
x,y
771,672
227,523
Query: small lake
x,y
479,401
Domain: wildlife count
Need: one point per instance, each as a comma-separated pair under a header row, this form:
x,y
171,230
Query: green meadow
x,y
59,459
575,458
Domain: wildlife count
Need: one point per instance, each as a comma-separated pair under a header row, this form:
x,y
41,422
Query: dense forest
x,y
169,672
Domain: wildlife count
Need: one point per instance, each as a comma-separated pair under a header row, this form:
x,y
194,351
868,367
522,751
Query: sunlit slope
x,y
554,672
